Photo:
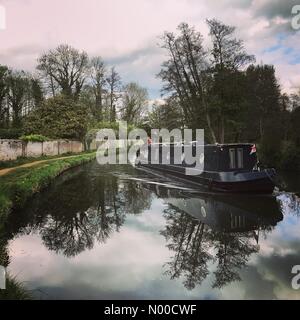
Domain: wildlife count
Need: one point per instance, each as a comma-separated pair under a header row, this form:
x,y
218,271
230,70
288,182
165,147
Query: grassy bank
x,y
24,160
14,291
18,186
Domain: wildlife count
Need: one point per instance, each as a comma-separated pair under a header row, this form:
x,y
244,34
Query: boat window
x,y
232,158
240,160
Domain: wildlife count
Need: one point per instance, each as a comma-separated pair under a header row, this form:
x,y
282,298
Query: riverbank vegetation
x,y
216,86
18,186
24,160
14,291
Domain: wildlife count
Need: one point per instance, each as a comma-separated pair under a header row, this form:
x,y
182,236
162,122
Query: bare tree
x,y
98,78
4,118
185,75
64,68
114,85
228,53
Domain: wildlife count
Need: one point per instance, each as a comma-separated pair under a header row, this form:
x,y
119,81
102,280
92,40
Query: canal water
x,y
114,232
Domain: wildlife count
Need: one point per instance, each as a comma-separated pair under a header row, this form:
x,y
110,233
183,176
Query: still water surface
x,y
103,232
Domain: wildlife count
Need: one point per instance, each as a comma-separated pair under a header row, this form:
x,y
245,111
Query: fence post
x,y
2,278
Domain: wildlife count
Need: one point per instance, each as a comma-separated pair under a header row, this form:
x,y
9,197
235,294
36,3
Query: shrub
x,y
269,152
290,156
58,117
15,290
34,138
284,155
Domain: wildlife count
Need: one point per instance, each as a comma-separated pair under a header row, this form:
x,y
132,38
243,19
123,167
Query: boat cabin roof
x,y
221,145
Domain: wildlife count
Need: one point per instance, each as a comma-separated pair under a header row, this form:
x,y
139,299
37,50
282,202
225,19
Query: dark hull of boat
x,y
260,182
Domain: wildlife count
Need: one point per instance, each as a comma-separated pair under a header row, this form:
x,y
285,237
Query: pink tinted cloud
x,y
118,29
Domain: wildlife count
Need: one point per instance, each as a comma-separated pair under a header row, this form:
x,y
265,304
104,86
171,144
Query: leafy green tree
x,y
20,92
134,103
58,117
36,92
228,57
263,97
295,128
168,115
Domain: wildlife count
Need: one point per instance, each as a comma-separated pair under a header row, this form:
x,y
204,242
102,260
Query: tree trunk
x,y
210,128
52,86
222,137
261,131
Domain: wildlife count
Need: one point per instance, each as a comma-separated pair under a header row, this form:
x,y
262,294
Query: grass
x,y
24,160
18,186
14,291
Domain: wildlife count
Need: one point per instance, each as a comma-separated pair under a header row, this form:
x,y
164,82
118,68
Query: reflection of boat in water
x,y
205,229
224,213
223,216
226,167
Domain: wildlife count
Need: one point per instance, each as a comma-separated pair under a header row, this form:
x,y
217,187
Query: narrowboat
x,y
231,168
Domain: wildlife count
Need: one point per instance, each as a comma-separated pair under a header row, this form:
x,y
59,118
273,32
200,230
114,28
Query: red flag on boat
x,y
253,149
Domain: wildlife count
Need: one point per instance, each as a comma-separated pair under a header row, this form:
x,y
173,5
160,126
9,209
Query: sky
x,y
125,33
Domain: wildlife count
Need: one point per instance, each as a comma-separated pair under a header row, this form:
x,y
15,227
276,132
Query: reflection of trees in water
x,y
69,235
135,197
73,215
105,214
232,253
196,245
186,236
289,203
4,257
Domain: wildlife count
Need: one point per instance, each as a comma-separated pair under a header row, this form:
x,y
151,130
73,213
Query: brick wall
x,y
13,149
